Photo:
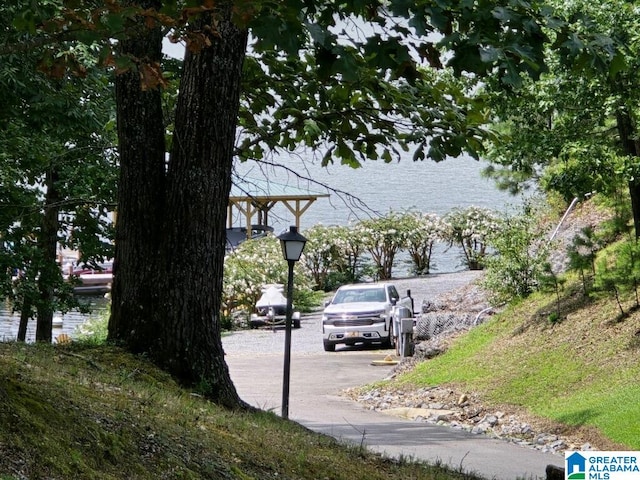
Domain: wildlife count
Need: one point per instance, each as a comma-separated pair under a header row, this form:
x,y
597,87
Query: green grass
x,y
611,406
83,411
579,372
462,363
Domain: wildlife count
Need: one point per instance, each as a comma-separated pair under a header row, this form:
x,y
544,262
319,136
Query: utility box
x,y
406,325
403,323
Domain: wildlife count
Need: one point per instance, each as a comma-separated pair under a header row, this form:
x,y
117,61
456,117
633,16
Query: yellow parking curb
x,y
388,360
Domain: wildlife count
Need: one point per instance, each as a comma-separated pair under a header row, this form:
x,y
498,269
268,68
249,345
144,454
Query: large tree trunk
x,y
198,183
140,195
170,228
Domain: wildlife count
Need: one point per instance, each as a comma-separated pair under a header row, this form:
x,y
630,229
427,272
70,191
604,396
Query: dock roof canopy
x,y
254,198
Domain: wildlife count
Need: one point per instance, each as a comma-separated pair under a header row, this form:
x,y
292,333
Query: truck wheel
x,y
329,347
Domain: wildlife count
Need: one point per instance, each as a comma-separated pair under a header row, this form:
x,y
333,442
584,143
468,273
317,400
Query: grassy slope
x,y
580,372
74,412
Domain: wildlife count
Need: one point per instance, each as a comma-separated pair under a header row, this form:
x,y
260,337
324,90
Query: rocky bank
x,y
465,411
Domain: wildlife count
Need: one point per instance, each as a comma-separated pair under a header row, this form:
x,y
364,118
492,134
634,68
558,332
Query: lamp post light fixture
x,y
292,244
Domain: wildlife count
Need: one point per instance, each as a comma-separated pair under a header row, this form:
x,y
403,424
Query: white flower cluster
x,y
252,265
339,249
422,231
469,228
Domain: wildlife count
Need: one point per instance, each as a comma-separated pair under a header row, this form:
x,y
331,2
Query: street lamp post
x,y
292,244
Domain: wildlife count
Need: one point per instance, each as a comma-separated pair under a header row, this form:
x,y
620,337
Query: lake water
x,y
70,321
377,188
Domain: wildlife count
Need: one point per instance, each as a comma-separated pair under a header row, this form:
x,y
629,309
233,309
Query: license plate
x,y
352,334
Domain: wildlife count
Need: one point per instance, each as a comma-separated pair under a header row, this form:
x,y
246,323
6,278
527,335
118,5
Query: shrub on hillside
x,y
521,251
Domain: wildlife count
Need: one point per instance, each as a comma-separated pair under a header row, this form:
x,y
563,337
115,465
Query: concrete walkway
x,y
255,359
314,401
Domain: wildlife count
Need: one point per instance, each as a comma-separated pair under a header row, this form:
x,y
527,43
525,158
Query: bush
x,y
94,331
582,256
582,170
618,271
320,253
259,262
421,231
521,250
469,228
383,237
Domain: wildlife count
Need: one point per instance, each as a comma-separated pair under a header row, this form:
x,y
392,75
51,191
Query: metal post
x,y
287,343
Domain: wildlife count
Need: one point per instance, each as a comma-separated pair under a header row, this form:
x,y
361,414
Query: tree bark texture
x,y
49,272
140,196
198,185
170,228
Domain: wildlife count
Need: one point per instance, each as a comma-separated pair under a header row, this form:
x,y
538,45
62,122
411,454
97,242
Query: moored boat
x,y
271,308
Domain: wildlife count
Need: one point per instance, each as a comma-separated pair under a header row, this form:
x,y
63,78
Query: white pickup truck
x,y
362,313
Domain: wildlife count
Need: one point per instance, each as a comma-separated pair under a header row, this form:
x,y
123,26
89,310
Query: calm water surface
x,y
70,321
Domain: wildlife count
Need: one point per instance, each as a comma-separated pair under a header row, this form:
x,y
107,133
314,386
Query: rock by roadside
x,y
465,411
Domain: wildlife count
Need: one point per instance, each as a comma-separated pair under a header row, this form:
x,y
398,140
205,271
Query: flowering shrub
x,y
322,252
255,263
95,330
334,254
469,228
351,250
421,231
382,237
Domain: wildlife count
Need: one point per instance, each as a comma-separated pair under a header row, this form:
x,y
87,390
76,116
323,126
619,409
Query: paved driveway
x,y
255,359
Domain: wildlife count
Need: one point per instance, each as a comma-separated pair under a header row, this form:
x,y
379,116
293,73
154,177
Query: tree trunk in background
x,y
634,192
49,272
25,315
631,147
140,196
